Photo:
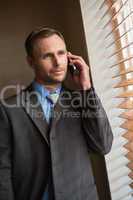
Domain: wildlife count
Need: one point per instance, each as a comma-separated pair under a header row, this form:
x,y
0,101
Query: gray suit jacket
x,y
28,145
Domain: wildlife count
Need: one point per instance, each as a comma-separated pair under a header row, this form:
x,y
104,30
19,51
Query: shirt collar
x,y
43,91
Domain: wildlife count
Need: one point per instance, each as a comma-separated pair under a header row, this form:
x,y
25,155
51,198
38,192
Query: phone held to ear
x,y
73,69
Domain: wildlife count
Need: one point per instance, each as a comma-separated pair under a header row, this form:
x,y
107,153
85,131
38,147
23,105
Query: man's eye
x,y
46,56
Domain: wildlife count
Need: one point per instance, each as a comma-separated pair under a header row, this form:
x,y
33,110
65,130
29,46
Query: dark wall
x,y
18,18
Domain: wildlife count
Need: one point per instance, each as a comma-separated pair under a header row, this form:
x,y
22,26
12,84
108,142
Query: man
x,y
45,142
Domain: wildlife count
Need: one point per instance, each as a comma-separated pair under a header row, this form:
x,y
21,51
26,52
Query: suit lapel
x,y
33,108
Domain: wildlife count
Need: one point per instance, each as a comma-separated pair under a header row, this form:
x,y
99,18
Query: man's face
x,y
49,59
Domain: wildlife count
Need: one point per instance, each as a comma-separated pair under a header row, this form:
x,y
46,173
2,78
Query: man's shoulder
x,y
15,99
11,101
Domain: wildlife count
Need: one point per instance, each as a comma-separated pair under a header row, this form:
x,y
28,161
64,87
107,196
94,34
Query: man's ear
x,y
30,61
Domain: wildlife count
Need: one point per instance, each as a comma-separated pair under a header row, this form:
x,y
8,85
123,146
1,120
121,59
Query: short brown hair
x,y
39,33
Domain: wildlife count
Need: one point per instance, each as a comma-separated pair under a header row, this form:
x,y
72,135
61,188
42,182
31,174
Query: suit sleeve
x,y
95,123
6,186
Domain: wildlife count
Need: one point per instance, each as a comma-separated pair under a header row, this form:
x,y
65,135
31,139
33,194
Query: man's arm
x,y
95,123
6,186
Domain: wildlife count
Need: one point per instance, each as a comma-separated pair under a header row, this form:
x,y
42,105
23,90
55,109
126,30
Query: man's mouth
x,y
58,72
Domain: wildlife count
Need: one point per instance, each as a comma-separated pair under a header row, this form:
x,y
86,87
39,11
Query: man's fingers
x,y
74,56
77,59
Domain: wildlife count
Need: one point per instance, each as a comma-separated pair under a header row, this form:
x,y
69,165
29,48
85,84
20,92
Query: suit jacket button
x,y
52,137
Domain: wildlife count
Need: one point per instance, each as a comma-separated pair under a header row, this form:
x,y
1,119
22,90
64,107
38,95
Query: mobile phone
x,y
72,68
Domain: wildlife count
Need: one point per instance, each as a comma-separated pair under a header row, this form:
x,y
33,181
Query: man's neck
x,y
48,86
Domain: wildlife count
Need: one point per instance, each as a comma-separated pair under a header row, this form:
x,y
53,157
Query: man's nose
x,y
56,61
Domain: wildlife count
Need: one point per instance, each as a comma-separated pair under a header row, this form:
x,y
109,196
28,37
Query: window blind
x,y
108,26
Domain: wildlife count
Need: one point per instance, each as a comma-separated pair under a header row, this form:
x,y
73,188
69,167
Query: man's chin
x,y
57,79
